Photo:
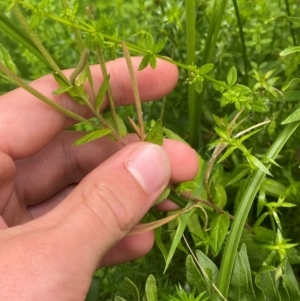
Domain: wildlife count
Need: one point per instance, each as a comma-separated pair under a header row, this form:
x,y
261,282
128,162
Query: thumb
x,y
68,243
111,200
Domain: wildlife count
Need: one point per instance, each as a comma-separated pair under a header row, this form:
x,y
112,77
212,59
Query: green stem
x,y
14,78
191,45
37,42
109,91
136,93
110,39
214,28
291,25
244,52
104,122
241,215
81,48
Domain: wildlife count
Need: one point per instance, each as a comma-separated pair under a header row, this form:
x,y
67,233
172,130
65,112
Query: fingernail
x,y
150,166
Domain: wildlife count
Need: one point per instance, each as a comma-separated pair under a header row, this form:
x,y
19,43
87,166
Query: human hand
x,y
67,210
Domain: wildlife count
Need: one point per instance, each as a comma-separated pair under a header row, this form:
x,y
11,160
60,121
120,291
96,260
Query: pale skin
x,y
66,211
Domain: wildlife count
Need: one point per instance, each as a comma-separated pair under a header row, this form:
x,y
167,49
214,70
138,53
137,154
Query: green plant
x,y
239,75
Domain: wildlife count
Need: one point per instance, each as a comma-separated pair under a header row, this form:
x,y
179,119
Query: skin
x,y
66,211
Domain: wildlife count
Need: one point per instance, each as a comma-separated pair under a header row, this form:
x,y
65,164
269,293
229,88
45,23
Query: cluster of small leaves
x,y
234,143
195,76
152,50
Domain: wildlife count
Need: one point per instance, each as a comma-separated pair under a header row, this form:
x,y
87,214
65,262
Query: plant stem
x,y
37,42
244,52
110,39
104,122
291,25
109,91
13,77
211,39
177,199
191,45
136,94
81,48
244,207
217,151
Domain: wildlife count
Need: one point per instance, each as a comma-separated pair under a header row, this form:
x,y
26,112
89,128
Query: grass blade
x,y
243,211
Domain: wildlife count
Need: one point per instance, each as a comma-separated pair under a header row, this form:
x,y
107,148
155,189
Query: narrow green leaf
x,y
62,90
238,176
156,133
245,137
152,60
205,69
289,50
61,81
131,289
231,77
182,223
151,289
193,276
101,93
218,231
173,135
258,164
199,86
159,242
149,41
6,59
121,125
160,45
92,136
222,134
295,116
144,63
227,153
163,196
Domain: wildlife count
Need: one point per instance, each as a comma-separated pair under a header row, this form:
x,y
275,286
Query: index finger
x,y
27,124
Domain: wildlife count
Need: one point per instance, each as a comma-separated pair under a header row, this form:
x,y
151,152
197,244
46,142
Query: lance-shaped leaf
x,y
205,69
258,164
151,289
182,223
101,93
160,45
295,116
6,59
144,63
131,289
92,136
218,231
290,50
231,77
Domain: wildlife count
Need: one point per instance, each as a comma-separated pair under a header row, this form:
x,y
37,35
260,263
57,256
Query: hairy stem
x,y
136,94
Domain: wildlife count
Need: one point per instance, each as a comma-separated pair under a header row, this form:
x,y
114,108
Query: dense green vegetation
x,y
236,103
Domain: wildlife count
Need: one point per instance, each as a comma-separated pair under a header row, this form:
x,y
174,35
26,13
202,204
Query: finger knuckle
x,y
108,203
